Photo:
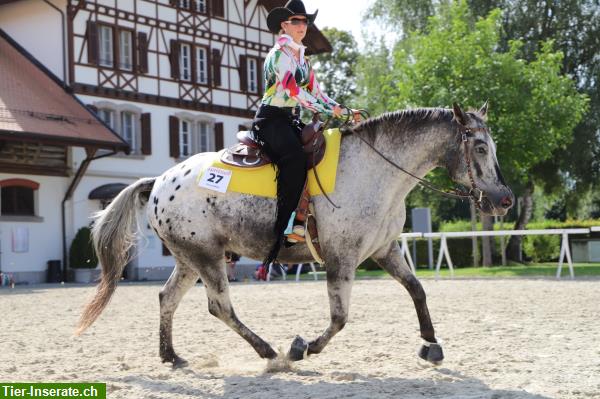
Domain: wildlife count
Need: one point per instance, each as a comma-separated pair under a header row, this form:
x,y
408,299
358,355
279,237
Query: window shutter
x,y
216,67
174,136
219,139
142,42
92,45
260,63
218,8
146,134
243,73
174,58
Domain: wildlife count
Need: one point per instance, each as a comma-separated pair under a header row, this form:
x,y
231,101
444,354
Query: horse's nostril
x,y
506,202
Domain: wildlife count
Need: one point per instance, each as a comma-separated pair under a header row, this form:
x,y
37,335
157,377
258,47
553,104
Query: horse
x,y
381,160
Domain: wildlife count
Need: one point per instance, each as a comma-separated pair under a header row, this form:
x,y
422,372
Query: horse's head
x,y
474,164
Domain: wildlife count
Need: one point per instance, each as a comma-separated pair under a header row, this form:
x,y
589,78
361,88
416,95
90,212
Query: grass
x,y
537,270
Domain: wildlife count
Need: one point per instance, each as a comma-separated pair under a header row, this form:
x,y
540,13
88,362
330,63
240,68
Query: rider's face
x,y
296,27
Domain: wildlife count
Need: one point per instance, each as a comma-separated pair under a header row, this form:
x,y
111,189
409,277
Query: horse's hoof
x,y
432,352
298,350
176,361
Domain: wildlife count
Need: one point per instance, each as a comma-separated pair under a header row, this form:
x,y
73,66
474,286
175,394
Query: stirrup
x,y
294,238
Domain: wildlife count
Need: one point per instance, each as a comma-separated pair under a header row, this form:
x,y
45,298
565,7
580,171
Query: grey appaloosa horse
x,y
199,225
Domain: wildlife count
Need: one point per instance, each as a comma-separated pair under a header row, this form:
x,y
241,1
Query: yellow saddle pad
x,y
261,181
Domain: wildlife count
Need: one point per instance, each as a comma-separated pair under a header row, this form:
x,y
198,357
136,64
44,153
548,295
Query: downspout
x,y
64,42
76,179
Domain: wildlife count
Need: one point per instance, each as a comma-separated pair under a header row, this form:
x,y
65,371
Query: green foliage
x,y
534,108
337,70
463,225
542,248
82,254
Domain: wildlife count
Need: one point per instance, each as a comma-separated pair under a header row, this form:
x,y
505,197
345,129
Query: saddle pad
x,y
261,181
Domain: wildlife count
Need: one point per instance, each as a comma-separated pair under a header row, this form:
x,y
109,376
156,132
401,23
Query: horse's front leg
x,y
339,287
391,260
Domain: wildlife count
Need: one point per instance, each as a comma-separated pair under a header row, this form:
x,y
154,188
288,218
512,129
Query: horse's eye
x,y
481,150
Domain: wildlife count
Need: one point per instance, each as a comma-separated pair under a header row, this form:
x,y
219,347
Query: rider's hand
x,y
337,111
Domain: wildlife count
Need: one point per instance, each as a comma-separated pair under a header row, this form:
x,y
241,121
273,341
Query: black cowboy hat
x,y
280,14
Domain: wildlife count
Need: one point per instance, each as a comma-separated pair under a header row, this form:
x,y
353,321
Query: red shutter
x,y
219,138
146,134
217,8
92,42
142,42
216,67
174,58
174,136
243,73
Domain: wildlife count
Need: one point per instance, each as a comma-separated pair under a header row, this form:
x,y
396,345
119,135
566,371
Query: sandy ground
x,y
502,339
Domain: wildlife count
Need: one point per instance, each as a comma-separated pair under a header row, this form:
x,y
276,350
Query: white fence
x,y
565,252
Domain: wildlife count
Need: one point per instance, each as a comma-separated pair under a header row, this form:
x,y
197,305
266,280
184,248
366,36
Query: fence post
x,y
565,252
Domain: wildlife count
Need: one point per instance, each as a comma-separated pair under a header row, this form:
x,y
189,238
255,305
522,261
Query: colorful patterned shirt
x,y
290,82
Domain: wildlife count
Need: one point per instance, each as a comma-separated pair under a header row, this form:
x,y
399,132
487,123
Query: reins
x,y
474,193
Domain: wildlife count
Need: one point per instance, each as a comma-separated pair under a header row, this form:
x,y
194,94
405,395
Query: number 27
x,y
213,177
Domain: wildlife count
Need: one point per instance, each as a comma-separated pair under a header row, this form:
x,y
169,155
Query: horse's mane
x,y
404,121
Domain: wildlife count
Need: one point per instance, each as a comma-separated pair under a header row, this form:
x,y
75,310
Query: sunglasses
x,y
297,22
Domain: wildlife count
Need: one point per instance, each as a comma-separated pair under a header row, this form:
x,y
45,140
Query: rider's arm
x,y
284,69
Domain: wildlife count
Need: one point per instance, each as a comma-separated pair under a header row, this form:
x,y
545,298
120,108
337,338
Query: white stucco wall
x,y
37,27
45,237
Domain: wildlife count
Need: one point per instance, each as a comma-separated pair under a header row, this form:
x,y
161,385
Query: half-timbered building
x,y
171,77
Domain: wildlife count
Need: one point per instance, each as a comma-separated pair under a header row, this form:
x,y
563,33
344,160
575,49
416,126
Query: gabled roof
x,y
315,41
34,105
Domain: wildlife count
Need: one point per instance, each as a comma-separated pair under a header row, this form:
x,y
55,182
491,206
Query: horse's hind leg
x,y
214,277
391,260
181,280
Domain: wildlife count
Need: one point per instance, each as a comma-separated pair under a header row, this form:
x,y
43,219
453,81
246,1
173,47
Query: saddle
x,y
247,153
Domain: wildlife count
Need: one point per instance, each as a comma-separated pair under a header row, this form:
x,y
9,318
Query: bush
x,y
542,248
82,254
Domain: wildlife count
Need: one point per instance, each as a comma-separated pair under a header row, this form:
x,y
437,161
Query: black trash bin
x,y
54,272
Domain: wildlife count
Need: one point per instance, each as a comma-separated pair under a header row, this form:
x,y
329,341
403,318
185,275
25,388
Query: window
x,y
203,137
185,64
185,136
128,128
201,65
252,75
201,6
195,137
126,50
105,38
107,116
198,6
17,197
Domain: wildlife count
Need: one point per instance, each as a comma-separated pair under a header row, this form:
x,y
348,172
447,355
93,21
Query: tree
x,y
574,26
534,106
337,70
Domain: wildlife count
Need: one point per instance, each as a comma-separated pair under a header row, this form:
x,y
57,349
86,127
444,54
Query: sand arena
x,y
502,339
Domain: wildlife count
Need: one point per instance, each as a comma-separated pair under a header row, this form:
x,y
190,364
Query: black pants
x,y
278,130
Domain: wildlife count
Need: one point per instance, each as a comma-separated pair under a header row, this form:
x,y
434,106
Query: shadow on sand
x,y
282,386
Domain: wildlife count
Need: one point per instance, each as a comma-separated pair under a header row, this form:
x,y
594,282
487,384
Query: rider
x,y
290,84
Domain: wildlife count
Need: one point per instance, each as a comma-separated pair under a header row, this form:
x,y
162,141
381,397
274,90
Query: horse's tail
x,y
114,234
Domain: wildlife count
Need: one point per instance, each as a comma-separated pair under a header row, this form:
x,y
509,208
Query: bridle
x,y
475,193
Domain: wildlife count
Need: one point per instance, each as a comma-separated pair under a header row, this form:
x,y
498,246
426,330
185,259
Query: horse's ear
x,y
484,110
459,115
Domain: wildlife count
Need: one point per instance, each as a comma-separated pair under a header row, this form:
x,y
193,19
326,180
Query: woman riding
x,y
290,84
